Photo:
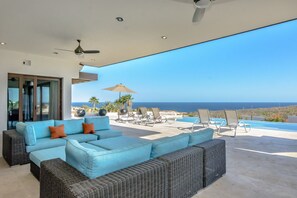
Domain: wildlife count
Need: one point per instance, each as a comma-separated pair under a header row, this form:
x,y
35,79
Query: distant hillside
x,y
275,114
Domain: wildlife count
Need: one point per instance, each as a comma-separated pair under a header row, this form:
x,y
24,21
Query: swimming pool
x,y
254,124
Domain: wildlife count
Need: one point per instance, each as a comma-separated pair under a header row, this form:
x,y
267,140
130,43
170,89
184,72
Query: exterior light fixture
x,y
164,37
55,53
3,43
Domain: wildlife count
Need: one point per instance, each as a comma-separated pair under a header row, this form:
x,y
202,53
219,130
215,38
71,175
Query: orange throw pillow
x,y
57,132
88,128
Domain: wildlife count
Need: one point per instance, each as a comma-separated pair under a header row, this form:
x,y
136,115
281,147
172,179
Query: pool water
x,y
254,124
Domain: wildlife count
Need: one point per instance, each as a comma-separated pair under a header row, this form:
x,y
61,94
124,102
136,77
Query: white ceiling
x,y
40,26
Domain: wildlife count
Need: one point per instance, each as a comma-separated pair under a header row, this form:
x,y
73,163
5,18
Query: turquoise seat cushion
x,y
71,126
42,128
119,142
201,136
82,137
45,143
28,132
103,134
95,164
167,145
100,122
47,154
91,146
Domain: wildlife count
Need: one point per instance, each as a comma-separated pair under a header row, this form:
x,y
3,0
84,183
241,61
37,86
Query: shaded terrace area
x,y
261,163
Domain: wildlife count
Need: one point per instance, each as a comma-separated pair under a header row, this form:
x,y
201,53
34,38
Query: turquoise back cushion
x,y
201,136
167,145
94,163
100,123
42,128
28,132
71,126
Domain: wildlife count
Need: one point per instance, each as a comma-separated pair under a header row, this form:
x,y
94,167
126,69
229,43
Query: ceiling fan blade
x,y
64,50
222,1
91,51
198,15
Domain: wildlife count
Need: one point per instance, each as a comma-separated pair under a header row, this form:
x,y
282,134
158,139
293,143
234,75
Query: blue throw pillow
x,y
94,163
169,144
201,136
28,132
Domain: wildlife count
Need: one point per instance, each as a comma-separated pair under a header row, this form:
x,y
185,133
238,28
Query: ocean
x,y
193,106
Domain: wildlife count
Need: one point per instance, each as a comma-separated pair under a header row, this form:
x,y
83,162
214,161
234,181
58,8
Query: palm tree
x,y
94,101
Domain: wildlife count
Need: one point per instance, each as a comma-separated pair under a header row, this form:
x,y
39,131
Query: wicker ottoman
x,y
185,172
214,158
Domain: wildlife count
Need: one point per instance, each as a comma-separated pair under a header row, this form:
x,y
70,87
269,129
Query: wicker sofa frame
x,y
14,148
185,172
148,179
176,175
214,160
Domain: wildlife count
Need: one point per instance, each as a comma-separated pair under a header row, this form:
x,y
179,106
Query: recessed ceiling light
x,y
164,37
119,19
3,43
55,52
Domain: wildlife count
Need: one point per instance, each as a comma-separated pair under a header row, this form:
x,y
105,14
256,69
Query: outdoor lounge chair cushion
x,y
45,143
82,137
47,154
94,164
119,142
109,133
166,145
57,152
201,136
71,126
41,128
28,132
100,122
91,146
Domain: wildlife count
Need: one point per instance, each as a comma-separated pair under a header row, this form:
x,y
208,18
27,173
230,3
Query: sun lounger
x,y
232,122
157,118
142,116
204,118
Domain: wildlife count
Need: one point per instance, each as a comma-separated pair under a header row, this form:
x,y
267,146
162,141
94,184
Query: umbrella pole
x,y
120,108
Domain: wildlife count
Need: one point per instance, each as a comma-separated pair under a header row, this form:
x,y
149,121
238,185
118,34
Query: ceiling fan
x,y
79,50
201,6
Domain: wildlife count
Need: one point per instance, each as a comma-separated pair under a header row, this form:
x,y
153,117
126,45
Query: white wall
x,y
11,62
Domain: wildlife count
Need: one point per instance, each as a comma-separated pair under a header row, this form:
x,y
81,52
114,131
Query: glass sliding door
x,y
32,98
48,99
28,99
13,102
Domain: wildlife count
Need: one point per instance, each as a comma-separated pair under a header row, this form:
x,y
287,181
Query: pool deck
x,y
261,163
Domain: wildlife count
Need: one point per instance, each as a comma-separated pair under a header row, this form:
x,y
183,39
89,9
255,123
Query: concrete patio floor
x,y
261,163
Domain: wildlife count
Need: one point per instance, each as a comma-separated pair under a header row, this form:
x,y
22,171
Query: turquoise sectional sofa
x,y
99,157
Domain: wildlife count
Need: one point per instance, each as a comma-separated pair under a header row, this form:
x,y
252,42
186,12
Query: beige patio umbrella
x,y
120,88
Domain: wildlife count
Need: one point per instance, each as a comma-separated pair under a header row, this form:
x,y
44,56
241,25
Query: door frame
x,y
21,78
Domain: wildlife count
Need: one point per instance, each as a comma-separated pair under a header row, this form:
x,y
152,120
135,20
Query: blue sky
x,y
258,66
